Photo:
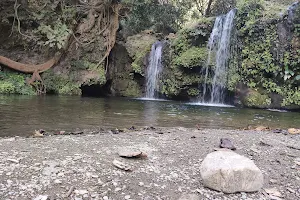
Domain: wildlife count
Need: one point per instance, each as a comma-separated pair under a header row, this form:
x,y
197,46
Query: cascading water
x,y
154,69
219,45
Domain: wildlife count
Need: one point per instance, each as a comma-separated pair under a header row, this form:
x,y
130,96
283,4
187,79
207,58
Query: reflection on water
x,y
20,115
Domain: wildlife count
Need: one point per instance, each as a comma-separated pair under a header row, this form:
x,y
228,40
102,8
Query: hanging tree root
x,y
35,70
107,24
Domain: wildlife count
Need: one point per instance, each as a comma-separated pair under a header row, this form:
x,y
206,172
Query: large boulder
x,y
229,172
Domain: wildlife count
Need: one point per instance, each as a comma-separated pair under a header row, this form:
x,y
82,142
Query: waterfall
x,y
219,47
291,12
154,69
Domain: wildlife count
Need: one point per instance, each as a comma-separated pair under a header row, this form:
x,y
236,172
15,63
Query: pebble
x,y
57,181
105,198
13,160
127,197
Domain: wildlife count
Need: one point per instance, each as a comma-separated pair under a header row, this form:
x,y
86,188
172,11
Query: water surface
x,y
21,115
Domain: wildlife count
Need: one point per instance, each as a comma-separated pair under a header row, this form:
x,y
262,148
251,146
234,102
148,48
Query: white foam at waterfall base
x,y
211,105
154,70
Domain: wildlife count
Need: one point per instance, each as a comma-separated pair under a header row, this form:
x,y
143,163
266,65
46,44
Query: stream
x,y
21,115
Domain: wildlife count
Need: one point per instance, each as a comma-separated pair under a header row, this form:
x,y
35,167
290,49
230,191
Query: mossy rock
x,y
256,100
132,89
193,92
192,57
60,84
138,46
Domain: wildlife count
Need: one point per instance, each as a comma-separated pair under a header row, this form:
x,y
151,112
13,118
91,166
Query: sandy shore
x,y
80,167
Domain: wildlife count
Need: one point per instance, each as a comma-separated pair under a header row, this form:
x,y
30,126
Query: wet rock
x,y
38,134
149,128
77,133
294,131
262,128
229,172
115,131
189,197
227,144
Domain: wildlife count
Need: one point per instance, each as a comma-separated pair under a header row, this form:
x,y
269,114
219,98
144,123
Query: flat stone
x,y
131,153
230,172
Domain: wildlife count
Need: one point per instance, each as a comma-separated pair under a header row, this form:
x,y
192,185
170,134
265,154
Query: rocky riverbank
x,y
81,166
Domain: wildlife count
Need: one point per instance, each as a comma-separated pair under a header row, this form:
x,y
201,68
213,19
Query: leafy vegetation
x,y
14,83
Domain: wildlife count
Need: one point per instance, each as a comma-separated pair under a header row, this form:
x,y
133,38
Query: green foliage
x,y
6,88
60,84
261,63
186,55
100,79
137,64
292,97
132,89
257,100
193,92
194,56
146,14
54,36
14,83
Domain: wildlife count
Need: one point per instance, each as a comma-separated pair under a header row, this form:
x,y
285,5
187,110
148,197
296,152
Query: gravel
x,y
81,166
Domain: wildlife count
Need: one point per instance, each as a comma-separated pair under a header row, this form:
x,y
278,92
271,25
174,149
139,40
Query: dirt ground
x,y
80,167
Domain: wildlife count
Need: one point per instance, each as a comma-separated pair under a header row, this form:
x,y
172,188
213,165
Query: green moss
x,y
193,92
60,84
132,89
192,57
99,77
6,88
257,100
138,46
69,89
138,60
14,83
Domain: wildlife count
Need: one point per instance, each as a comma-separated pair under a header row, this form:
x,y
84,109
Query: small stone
x,y
121,165
131,153
8,173
273,192
291,190
127,197
141,184
105,198
230,172
118,189
227,144
41,197
57,181
189,197
13,160
273,181
294,131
